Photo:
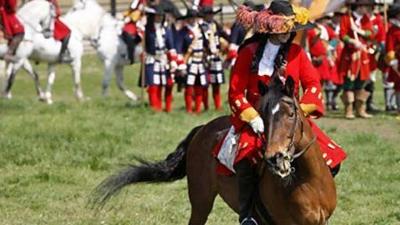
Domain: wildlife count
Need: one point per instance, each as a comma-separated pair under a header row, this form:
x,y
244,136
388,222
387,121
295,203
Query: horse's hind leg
x,y
202,200
119,72
202,182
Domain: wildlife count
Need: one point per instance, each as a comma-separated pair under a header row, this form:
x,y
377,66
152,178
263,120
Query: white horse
x,y
98,26
36,17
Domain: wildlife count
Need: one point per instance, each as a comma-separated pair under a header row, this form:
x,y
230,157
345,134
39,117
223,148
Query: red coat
x,y
354,62
336,54
244,94
380,37
61,30
393,52
9,21
319,50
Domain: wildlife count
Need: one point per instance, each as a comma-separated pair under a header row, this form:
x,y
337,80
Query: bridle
x,y
292,155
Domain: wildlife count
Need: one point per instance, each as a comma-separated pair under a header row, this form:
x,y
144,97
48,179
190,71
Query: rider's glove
x,y
257,124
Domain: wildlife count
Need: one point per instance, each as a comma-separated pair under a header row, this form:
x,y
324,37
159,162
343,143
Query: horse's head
x,y
79,5
284,122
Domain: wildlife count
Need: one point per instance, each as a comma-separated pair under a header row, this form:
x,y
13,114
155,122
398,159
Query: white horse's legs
x,y
29,69
51,73
76,70
119,72
108,70
11,72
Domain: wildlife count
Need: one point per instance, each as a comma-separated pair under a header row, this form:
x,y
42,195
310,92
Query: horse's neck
x,y
93,15
34,12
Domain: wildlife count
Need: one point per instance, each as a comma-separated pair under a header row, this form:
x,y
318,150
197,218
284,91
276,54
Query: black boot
x,y
12,48
371,107
247,181
64,55
131,41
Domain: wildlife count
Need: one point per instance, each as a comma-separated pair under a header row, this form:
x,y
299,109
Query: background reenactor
x,y
356,30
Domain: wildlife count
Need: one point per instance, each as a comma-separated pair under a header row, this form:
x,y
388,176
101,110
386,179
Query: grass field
x,y
51,157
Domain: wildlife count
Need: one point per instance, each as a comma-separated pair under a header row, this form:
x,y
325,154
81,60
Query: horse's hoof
x,y
49,101
42,97
8,95
131,96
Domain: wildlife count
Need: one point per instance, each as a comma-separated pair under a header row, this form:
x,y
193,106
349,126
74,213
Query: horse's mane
x,y
271,94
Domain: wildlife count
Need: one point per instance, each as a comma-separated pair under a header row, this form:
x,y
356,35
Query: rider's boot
x,y
64,55
9,57
247,182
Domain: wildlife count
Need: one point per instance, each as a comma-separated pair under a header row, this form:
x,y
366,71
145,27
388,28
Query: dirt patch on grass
x,y
385,127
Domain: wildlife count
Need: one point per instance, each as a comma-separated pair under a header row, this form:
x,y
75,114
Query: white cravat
x,y
358,18
267,62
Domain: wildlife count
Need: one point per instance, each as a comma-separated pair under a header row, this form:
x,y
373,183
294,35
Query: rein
x,y
293,156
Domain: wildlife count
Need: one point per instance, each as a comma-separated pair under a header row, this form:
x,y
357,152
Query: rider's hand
x,y
257,124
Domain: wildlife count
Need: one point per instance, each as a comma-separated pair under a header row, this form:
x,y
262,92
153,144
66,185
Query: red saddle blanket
x,y
331,151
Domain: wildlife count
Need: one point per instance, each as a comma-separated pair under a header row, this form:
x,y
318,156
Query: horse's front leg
x,y
109,67
11,72
76,71
119,72
27,66
51,76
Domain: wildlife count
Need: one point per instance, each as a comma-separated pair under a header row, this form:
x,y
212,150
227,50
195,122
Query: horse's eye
x,y
291,114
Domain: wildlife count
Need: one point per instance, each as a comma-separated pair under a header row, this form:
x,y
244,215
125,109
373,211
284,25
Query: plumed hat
x,y
280,17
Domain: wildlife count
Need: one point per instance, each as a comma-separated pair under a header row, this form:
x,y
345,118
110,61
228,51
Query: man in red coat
x,y
61,32
270,49
393,51
11,27
356,31
378,47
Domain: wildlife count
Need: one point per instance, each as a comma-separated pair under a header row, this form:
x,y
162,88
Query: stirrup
x,y
249,221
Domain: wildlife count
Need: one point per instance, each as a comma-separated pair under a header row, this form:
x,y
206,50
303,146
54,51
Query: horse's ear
x,y
262,88
289,86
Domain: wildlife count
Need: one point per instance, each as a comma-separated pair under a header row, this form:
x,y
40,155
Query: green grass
x,y
51,157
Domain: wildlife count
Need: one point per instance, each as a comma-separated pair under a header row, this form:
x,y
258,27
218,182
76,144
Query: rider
x,y
61,32
130,32
268,50
11,27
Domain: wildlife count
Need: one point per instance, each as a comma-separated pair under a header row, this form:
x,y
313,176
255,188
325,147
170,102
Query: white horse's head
x,y
86,16
36,16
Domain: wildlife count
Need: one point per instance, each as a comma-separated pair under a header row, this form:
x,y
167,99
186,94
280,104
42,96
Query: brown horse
x,y
295,185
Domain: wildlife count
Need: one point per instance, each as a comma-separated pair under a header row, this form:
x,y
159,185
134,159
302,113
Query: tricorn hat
x,y
206,10
190,13
360,2
394,10
280,17
155,10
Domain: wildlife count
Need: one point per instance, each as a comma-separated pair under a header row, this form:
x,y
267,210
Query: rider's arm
x,y
311,101
240,74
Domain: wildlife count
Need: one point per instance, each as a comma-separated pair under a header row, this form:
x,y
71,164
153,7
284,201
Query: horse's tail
x,y
171,169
